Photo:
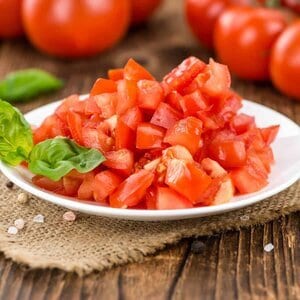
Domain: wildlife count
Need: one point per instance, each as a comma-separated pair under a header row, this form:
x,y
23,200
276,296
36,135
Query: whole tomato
x,y
141,10
69,28
243,39
285,61
10,18
203,14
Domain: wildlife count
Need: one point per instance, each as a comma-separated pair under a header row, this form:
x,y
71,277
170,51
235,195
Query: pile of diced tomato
x,y
178,143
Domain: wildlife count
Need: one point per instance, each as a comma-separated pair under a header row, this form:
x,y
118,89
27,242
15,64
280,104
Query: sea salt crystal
x,y
69,216
39,219
22,198
269,247
12,230
19,223
244,218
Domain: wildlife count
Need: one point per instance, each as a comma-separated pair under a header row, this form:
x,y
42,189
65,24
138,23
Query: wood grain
x,y
230,265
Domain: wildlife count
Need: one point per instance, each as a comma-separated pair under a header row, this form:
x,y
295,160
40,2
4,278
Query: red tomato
x,y
70,28
127,95
107,103
203,14
103,86
269,133
183,75
116,74
10,18
285,62
124,136
75,124
241,123
178,152
104,184
132,190
169,199
192,103
85,191
186,179
96,138
149,136
71,185
132,117
150,198
141,10
121,161
48,184
150,94
187,133
243,38
134,71
165,116
173,99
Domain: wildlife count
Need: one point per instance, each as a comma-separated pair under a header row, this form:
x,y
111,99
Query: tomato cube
x,y
149,94
134,71
149,136
192,103
127,95
103,86
115,74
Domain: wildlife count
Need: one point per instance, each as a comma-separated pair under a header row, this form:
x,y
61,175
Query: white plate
x,y
284,173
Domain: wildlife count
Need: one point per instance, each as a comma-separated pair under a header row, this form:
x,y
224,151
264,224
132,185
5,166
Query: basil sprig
x,y
26,84
52,158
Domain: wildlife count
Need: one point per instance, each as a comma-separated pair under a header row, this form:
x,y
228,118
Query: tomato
x,y
173,99
241,123
77,28
104,184
85,191
107,103
243,38
169,199
132,117
183,74
127,95
150,94
134,71
203,14
96,138
285,62
48,184
132,190
10,19
269,133
292,4
149,136
150,198
103,86
165,116
192,103
141,10
71,185
115,74
187,133
186,179
121,161
75,123
178,152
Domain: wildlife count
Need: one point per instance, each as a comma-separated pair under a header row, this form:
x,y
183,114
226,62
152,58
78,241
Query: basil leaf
x,y
15,135
56,157
27,84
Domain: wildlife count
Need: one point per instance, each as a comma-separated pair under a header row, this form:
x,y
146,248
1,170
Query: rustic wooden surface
x,y
230,265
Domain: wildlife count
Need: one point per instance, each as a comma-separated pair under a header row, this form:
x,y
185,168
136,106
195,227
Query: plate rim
x,y
141,214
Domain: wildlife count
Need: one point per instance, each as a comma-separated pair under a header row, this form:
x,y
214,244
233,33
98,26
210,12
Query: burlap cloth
x,y
95,243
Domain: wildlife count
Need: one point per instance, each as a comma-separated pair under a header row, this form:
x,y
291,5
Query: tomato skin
x,y
124,136
149,136
173,99
74,122
285,62
187,133
134,71
142,10
104,184
71,185
85,191
132,117
103,86
150,94
244,35
115,74
82,29
186,179
10,19
165,116
132,190
127,95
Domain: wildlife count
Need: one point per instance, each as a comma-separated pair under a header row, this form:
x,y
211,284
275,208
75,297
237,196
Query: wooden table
x,y
226,266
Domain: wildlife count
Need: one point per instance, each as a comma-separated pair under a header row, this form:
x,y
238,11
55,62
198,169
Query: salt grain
x,y
39,219
269,247
22,198
19,223
69,216
244,218
12,230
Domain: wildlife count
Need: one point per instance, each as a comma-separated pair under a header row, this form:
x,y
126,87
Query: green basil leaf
x,y
27,84
16,140
56,157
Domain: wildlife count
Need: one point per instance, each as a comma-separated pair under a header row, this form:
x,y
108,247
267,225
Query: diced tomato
x,y
178,152
132,117
183,74
49,185
212,168
134,71
209,122
74,122
150,198
124,136
66,105
169,199
253,139
115,74
186,179
94,138
85,191
149,94
107,103
192,103
187,133
266,156
207,197
71,185
242,123
121,160
165,116
104,184
228,152
149,136
255,161
103,86
132,190
127,95
269,134
173,99
91,107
